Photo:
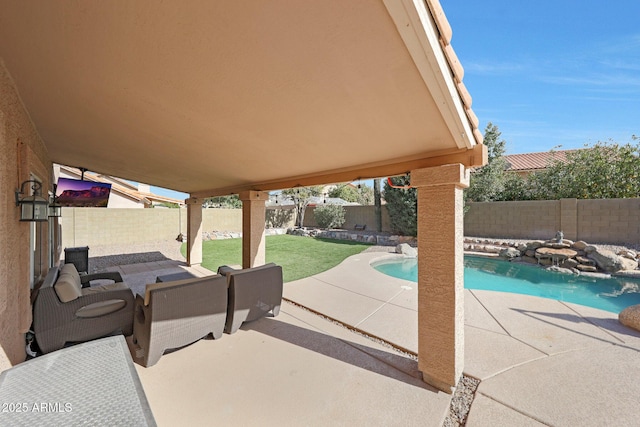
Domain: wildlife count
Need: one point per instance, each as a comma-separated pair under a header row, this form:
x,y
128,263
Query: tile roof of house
x,y
534,161
457,71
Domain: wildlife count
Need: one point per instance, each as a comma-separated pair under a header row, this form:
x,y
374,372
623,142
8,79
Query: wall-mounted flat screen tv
x,y
74,193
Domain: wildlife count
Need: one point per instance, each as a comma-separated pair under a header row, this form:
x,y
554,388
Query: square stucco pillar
x,y
441,273
253,224
194,231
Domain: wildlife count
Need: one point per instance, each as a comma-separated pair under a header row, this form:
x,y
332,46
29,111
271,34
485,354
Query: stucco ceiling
x,y
209,97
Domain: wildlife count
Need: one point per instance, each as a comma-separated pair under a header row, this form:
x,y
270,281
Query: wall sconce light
x,y
55,210
33,207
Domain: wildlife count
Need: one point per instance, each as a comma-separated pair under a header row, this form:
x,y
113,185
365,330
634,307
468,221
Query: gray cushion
x,y
67,288
104,288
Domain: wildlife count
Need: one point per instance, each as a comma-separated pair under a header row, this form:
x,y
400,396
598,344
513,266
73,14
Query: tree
x,y
362,194
301,196
329,216
488,182
169,205
402,205
378,203
223,202
606,170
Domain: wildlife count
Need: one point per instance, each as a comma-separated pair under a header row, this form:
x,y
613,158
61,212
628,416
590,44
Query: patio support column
x,y
440,273
253,225
194,231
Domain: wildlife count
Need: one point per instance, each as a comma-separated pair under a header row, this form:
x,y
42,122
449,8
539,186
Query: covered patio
x,y
218,98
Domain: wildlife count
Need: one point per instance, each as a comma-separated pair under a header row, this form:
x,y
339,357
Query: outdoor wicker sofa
x,y
66,309
177,313
253,293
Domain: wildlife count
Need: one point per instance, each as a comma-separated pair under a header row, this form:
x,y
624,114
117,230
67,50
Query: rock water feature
x,y
562,255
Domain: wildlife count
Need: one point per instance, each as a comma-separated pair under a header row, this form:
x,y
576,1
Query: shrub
x,y
402,205
330,216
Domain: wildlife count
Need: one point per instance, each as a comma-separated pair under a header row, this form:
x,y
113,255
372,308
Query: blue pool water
x,y
612,295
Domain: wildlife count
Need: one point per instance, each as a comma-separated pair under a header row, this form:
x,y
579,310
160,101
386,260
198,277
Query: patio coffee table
x,y
93,383
175,276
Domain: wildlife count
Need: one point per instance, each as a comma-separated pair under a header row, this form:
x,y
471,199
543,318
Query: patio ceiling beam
x,y
473,157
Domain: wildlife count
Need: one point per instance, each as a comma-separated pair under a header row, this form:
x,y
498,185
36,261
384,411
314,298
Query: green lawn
x,y
299,256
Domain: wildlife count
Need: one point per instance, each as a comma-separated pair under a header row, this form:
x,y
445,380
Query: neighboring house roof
x,y
121,186
529,162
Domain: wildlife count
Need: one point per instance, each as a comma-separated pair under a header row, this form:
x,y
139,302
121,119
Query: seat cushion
x,y
104,288
101,308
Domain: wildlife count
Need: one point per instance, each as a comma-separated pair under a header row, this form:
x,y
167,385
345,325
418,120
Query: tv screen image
x,y
74,193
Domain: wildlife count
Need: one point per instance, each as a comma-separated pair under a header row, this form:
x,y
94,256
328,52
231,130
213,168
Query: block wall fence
x,y
99,226
594,221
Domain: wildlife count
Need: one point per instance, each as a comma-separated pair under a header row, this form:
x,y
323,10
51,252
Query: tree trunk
x,y
378,204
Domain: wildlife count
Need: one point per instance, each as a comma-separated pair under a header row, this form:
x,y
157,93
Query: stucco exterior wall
x,y
117,201
595,221
22,154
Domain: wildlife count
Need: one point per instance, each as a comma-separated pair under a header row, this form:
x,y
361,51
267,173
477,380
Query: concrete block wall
x,y
361,215
523,219
104,227
99,226
609,220
222,220
615,221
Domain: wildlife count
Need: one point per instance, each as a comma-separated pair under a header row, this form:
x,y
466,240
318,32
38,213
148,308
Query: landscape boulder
x,y
579,245
406,250
628,264
630,317
607,260
628,254
554,254
509,253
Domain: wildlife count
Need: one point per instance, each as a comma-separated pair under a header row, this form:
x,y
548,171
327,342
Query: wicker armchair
x,y
253,292
178,313
65,311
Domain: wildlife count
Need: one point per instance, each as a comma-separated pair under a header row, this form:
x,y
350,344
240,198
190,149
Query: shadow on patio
x,y
297,368
291,370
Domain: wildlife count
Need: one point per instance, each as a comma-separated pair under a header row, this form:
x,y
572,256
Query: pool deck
x,y
540,361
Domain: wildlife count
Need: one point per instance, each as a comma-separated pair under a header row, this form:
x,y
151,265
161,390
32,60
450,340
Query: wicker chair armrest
x,y
76,304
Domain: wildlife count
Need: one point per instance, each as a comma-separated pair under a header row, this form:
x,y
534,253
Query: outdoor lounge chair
x,y
178,313
65,311
253,292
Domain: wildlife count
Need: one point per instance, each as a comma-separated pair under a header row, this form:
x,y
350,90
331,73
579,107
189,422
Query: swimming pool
x,y
614,294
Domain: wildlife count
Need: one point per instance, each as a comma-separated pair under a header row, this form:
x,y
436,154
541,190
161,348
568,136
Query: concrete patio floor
x,y
541,362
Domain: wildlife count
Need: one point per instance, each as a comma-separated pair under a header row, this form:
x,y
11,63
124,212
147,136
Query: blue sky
x,y
551,73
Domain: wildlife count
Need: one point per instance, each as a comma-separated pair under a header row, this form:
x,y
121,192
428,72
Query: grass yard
x,y
299,256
